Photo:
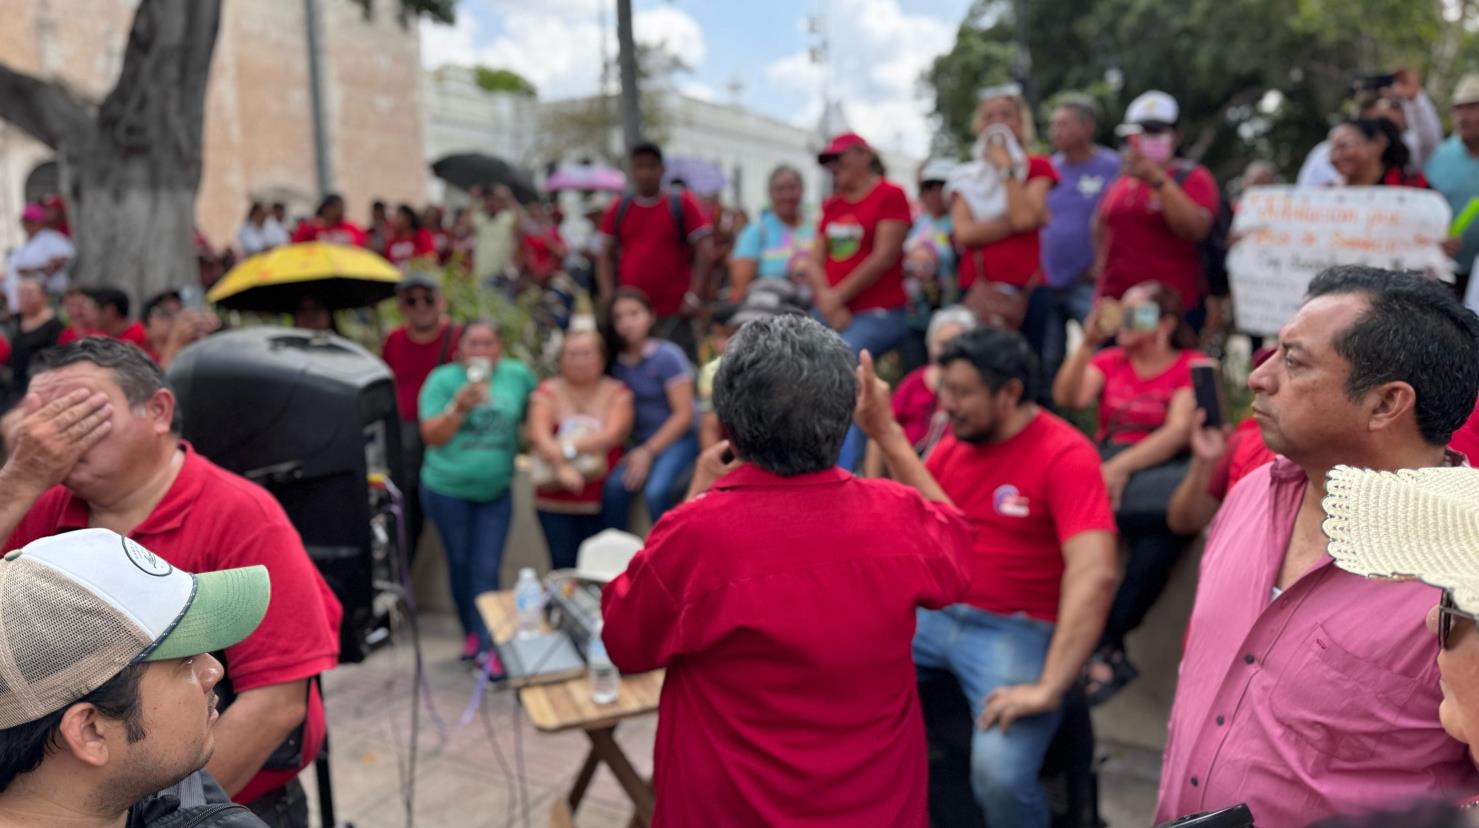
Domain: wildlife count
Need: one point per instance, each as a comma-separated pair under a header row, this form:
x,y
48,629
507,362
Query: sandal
x,y
1122,672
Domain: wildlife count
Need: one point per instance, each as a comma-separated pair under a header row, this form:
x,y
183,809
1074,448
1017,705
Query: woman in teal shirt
x,y
777,245
470,415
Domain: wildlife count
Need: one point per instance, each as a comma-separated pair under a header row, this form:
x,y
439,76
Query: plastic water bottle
x,y
529,599
605,680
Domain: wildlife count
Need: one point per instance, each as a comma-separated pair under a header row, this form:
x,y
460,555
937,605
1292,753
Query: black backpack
x,y
1214,246
195,801
675,203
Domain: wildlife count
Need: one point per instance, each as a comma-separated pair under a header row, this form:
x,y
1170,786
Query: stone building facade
x,y
258,126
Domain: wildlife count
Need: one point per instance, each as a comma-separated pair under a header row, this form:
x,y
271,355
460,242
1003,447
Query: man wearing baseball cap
x,y
1453,170
427,339
107,685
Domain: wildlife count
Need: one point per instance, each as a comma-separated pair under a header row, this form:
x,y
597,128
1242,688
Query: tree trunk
x,y
131,165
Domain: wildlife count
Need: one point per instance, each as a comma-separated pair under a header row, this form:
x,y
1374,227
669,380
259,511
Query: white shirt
x,y
254,239
41,248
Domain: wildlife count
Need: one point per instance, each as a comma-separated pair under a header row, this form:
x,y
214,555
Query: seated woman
x,y
916,400
661,380
1143,388
577,424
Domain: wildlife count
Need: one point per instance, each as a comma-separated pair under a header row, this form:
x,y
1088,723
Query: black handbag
x,y
1147,495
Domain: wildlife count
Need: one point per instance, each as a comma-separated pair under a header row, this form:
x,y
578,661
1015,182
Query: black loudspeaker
x,y
309,416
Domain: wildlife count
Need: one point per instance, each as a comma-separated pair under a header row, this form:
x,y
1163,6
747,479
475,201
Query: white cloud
x,y
699,90
556,44
879,53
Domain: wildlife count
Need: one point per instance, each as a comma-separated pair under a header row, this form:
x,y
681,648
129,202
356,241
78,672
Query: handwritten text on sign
x,y
1288,235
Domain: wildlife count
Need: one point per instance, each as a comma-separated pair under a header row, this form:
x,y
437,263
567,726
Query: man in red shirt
x,y
113,307
329,225
428,339
97,445
647,247
781,601
1043,565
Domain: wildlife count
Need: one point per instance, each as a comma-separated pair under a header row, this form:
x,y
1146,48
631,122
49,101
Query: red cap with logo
x,y
841,144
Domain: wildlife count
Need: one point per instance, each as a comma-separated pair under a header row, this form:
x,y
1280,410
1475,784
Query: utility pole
x,y
631,105
1022,57
316,101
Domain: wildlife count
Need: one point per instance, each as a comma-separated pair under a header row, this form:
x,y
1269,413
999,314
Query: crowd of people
x,y
727,384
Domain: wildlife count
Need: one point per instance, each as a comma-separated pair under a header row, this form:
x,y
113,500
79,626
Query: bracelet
x,y
691,299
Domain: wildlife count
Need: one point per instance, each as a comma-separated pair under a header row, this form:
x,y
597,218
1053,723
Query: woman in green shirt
x,y
470,415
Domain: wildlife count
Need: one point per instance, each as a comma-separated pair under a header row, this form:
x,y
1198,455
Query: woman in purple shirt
x,y
664,440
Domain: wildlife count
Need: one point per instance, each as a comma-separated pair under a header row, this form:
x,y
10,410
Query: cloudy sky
x,y
879,48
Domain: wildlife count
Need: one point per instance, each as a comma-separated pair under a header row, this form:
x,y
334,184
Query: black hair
x,y
278,205
1168,299
138,375
377,204
1396,155
256,205
409,213
646,148
999,357
785,393
1084,106
24,747
330,200
1415,332
152,304
107,297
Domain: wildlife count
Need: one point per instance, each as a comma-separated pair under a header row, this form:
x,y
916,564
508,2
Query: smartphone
x,y
1238,816
1206,380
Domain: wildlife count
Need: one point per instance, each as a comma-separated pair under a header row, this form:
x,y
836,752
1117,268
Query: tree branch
x,y
45,111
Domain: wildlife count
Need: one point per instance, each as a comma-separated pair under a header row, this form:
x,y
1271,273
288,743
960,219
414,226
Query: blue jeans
x,y
473,535
877,332
564,533
985,651
1048,312
658,492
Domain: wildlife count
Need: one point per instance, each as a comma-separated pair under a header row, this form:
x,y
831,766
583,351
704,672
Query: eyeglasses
x,y
1448,612
414,301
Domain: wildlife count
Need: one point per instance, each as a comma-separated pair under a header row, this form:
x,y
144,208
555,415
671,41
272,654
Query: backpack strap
x,y
446,343
621,214
675,203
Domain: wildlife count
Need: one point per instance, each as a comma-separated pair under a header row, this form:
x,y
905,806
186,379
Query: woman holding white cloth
x,y
998,205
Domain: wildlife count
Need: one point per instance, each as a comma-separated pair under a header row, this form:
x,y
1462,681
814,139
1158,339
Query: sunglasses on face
x,y
1154,129
1448,612
416,301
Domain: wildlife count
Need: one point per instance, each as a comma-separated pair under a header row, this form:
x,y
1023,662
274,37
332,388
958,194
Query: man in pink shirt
x,y
1306,691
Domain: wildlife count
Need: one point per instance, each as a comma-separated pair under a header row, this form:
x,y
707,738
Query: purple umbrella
x,y
702,177
587,177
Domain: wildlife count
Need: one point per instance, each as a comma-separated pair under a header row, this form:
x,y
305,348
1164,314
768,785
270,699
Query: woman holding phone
x,y
470,415
1153,219
998,204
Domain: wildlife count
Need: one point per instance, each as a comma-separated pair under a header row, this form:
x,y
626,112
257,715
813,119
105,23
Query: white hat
x,y
1154,106
937,169
1411,524
605,555
77,608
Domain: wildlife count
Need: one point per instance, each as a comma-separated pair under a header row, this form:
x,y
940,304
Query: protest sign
x,y
1287,235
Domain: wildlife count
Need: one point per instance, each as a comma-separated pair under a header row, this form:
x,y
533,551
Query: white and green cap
x,y
77,608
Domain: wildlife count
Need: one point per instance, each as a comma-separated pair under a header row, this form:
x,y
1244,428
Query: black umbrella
x,y
470,169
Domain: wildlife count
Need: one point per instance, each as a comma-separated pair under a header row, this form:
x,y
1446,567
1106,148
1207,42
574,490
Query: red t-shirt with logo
x,y
849,228
1024,498
411,362
136,334
1131,406
1465,441
209,520
345,232
1016,259
650,256
407,246
1138,243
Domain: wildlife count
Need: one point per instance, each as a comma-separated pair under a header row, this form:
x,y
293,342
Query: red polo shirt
x,y
210,520
783,610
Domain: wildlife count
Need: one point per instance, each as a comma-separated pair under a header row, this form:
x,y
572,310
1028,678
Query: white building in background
x,y
461,117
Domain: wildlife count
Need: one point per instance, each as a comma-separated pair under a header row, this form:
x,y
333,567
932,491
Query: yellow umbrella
x,y
337,275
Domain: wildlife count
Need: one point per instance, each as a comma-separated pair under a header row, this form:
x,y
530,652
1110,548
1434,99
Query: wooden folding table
x,y
567,705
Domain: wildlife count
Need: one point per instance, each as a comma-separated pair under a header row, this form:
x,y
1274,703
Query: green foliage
x,y
1218,57
504,80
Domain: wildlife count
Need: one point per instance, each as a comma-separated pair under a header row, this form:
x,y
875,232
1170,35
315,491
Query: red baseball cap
x,y
841,144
